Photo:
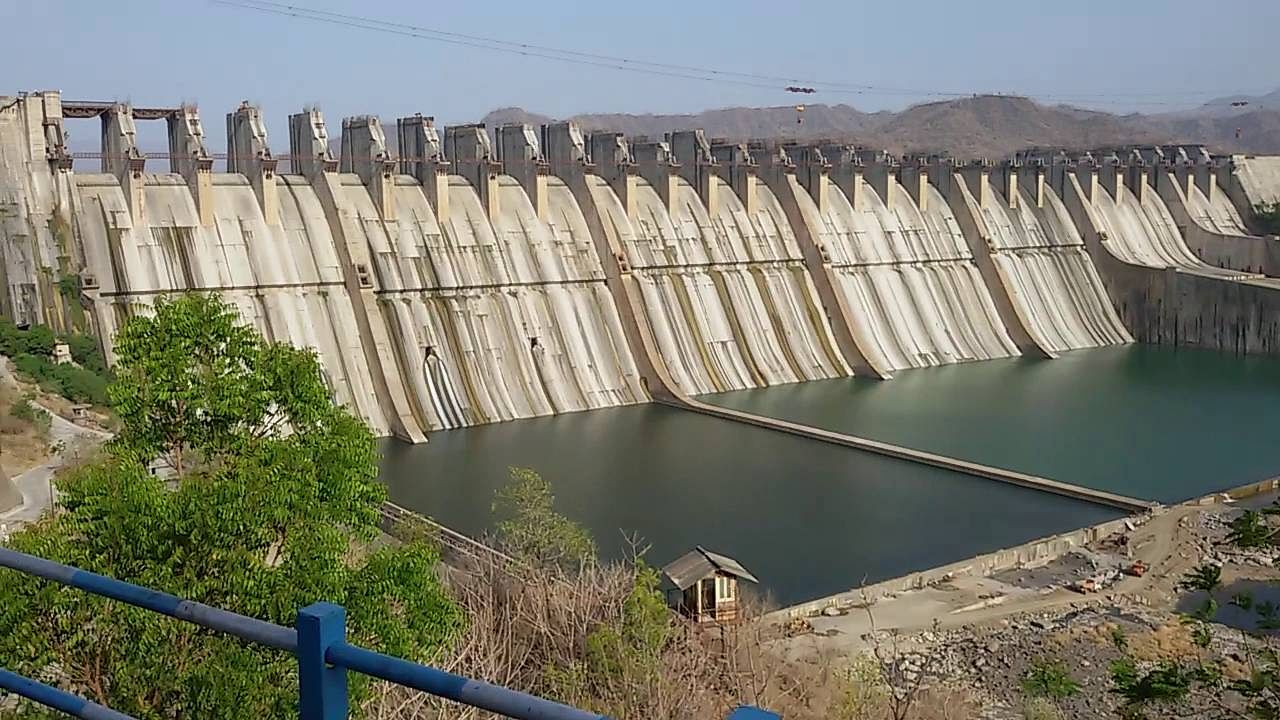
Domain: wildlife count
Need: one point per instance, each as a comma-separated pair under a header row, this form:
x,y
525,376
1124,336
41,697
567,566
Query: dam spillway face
x,y
723,282
481,275
899,263
1041,257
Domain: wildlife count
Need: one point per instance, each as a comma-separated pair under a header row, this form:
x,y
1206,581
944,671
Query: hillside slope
x,y
987,126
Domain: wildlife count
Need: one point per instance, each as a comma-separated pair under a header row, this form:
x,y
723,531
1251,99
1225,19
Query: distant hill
x,y
982,126
996,126
1230,105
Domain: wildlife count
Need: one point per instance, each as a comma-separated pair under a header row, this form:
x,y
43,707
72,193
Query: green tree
x,y
532,530
622,659
271,506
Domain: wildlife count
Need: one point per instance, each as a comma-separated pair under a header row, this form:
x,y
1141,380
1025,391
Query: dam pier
x,y
463,285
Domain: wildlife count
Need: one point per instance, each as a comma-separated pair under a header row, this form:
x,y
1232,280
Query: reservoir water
x,y
808,518
1151,422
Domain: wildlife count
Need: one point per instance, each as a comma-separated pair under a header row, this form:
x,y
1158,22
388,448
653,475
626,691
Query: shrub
x,y
74,383
31,350
31,414
532,530
1250,530
1049,679
39,340
84,350
80,385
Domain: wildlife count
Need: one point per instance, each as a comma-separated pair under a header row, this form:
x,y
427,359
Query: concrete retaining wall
x,y
1035,551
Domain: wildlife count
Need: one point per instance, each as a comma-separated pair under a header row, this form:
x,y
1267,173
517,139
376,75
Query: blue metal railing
x,y
318,640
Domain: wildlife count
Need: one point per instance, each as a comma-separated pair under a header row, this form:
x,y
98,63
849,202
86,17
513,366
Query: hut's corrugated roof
x,y
698,563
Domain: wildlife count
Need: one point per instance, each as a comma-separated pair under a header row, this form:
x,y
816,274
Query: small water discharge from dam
x,y
486,290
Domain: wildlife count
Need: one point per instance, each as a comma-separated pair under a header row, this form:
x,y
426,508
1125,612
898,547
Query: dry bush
x,y
531,630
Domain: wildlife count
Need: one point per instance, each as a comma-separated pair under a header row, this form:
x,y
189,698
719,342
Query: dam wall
x,y
1041,259
489,281
1160,290
472,278
724,291
900,268
38,264
1186,179
1250,182
262,243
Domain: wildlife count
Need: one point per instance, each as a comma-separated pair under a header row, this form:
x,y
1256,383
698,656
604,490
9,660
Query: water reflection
x,y
1152,422
808,518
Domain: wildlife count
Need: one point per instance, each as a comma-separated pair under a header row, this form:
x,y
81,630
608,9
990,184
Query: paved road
x,y
34,484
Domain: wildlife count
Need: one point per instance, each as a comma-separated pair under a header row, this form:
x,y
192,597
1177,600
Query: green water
x,y
808,518
1159,423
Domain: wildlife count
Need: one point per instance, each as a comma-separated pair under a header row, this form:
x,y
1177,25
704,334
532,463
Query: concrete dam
x,y
470,276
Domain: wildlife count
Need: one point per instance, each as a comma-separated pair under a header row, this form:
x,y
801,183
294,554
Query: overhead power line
x,y
687,72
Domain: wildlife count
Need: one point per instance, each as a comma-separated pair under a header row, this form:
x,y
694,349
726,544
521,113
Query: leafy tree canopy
x,y
269,506
531,529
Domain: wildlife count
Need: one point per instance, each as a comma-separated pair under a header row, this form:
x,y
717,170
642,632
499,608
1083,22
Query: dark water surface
x,y
808,518
1158,423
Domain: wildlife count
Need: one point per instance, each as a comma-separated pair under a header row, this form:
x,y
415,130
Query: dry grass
x,y
23,444
1171,641
525,631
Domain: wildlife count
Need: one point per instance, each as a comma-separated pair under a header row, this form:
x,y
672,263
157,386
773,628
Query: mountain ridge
x,y
982,126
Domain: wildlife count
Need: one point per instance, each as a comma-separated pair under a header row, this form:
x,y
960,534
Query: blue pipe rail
x,y
318,641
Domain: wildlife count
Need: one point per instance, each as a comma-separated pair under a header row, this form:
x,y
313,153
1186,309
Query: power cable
x,y
687,72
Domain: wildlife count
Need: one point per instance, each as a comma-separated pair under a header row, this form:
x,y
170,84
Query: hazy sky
x,y
1116,54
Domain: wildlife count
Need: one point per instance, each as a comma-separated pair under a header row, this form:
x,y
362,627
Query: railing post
x,y
322,689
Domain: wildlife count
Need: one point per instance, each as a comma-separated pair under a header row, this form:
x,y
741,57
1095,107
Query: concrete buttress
x,y
780,173
308,138
965,193
565,148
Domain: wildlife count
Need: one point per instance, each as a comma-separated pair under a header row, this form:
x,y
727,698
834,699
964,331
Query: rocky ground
x,y
982,636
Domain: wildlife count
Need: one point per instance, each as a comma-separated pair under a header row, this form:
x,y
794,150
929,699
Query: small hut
x,y
704,585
